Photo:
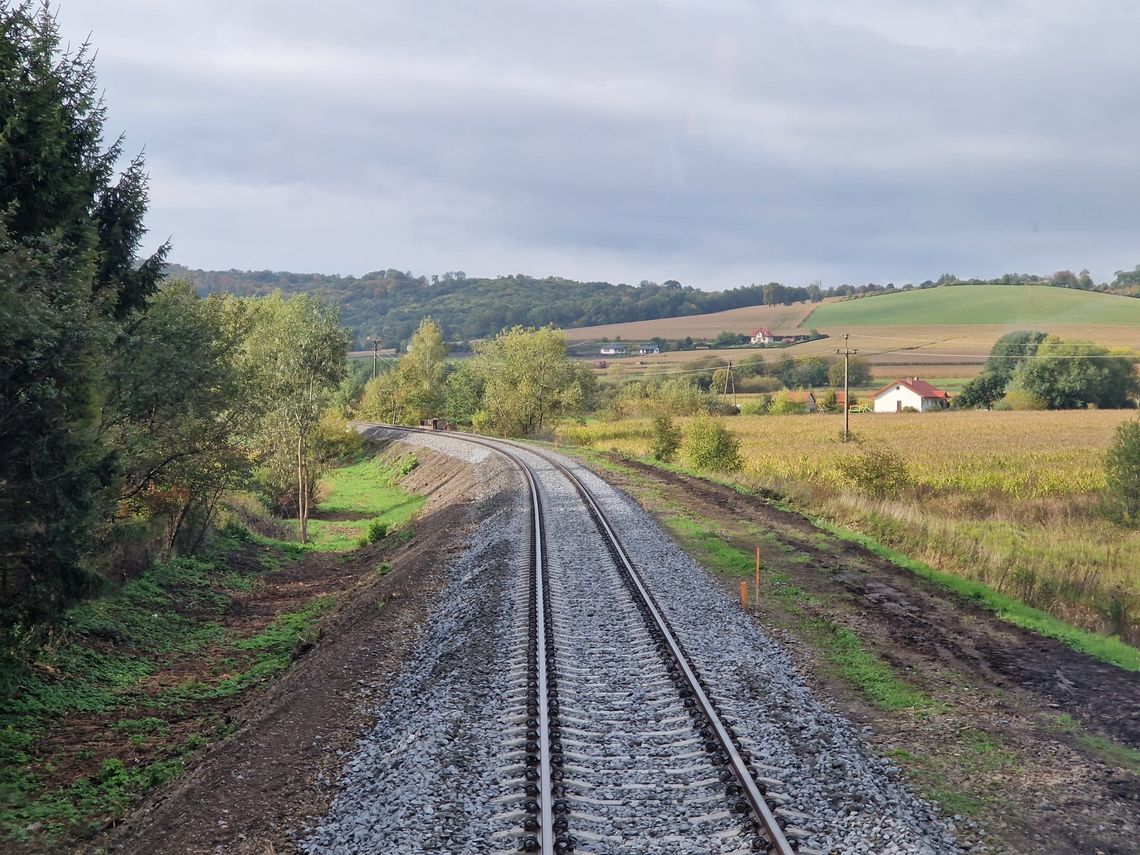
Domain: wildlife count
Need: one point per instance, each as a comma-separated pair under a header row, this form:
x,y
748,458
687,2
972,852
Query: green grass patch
x,y
712,551
870,674
1018,305
1107,749
1106,648
359,496
89,802
105,649
926,772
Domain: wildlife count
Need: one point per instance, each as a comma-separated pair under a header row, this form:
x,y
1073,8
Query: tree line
x,y
129,405
1032,370
391,303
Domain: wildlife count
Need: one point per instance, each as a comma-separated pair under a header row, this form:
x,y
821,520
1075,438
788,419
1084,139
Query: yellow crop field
x,y
1006,498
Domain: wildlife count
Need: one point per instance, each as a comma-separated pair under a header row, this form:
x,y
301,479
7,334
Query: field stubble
x,y
1008,499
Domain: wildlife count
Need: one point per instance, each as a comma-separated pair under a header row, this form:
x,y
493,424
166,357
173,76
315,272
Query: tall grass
x,y
1006,499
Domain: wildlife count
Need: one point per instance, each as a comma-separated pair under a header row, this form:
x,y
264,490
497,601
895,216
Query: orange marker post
x,y
744,595
757,578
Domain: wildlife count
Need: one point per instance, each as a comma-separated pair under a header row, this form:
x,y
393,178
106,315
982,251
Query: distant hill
x,y
1008,305
391,303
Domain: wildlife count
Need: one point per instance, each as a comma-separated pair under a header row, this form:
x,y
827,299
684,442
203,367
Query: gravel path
x,y
442,769
425,777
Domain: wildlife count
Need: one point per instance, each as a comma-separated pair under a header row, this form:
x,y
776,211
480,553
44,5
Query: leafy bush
x,y
758,407
1122,474
1020,399
665,438
377,530
876,471
709,445
783,405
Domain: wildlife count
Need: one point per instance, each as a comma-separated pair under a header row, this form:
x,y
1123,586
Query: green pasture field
x,y
1014,305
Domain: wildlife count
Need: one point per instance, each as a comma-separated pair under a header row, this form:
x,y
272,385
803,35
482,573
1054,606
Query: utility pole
x,y
375,339
846,352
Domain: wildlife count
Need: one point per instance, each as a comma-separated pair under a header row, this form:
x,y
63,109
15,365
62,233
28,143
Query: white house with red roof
x,y
762,336
910,393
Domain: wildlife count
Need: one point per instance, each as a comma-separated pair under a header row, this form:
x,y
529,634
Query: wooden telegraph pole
x,y
375,340
846,352
728,378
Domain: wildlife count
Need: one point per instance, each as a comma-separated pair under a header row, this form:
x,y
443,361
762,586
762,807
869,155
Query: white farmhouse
x,y
613,350
762,336
648,349
910,393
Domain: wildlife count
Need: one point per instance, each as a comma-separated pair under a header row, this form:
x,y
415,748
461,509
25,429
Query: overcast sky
x,y
715,142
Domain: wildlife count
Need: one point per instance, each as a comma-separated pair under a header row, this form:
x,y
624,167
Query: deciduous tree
x,y
529,381
297,348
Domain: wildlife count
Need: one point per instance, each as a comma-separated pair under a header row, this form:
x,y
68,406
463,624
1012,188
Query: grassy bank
x,y
131,686
1004,500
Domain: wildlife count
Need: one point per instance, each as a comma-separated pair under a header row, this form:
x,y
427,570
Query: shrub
x,y
377,530
758,407
876,471
665,438
1020,399
783,405
710,445
1122,474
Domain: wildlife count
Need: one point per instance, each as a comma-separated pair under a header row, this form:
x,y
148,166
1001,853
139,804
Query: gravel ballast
x,y
441,770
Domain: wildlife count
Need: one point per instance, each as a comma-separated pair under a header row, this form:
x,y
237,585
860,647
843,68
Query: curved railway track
x,y
550,802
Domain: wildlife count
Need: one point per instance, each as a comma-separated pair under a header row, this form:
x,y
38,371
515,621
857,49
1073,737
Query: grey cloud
x,y
717,142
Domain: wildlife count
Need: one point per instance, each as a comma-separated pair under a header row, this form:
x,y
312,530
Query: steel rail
x,y
546,836
751,791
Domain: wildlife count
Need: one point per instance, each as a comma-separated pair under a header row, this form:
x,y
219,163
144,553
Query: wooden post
x,y
757,578
743,594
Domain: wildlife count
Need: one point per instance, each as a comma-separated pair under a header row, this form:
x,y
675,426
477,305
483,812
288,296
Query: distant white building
x,y
910,393
762,336
648,349
614,350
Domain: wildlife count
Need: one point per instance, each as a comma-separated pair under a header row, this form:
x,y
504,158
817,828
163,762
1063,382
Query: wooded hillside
x,y
391,303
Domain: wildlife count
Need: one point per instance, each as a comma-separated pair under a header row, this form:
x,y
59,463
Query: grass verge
x,y
131,685
841,647
1106,648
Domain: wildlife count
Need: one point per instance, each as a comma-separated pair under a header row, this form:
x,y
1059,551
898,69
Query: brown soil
x,y
1039,789
251,791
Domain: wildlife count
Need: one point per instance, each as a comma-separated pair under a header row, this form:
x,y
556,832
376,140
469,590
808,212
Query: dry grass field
x,y
1009,499
925,351
785,319
900,334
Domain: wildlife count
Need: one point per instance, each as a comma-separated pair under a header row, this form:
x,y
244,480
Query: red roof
x,y
762,331
919,387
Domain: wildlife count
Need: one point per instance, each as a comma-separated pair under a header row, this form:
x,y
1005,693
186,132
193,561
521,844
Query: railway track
x,y
591,756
